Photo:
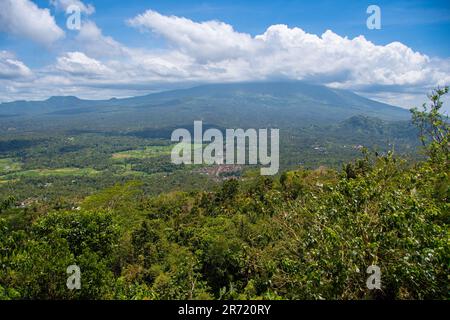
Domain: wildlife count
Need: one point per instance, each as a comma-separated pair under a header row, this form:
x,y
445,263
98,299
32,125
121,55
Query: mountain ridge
x,y
245,104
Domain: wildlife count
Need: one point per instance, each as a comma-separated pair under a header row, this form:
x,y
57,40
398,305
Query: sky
x,y
134,47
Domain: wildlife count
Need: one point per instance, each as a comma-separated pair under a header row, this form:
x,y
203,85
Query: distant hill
x,y
262,104
368,128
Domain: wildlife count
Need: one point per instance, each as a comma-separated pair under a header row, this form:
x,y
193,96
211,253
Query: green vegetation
x,y
306,234
36,159
52,172
148,152
9,165
127,139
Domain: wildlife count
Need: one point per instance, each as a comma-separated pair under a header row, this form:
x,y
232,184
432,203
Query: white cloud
x,y
11,68
207,41
78,64
292,53
92,40
213,51
62,5
23,18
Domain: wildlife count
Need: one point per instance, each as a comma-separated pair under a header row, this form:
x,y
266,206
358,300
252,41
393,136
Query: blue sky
x,y
121,51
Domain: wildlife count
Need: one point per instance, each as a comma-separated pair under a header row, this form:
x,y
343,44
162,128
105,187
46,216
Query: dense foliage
x,y
307,234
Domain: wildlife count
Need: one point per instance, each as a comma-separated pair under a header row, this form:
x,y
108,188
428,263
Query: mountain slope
x,y
275,104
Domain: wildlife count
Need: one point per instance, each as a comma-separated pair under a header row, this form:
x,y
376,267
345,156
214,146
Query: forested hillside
x,y
307,234
285,104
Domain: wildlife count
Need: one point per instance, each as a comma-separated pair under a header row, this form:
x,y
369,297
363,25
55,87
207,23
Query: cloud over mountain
x,y
294,54
213,51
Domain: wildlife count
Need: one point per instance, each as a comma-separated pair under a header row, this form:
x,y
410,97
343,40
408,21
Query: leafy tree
x,y
434,126
5,204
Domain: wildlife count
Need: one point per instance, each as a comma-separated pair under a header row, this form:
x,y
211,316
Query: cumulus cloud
x,y
207,41
92,40
292,53
212,51
62,5
78,64
11,68
23,18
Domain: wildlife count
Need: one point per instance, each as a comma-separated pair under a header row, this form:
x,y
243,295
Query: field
x,y
149,152
9,165
76,172
101,159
